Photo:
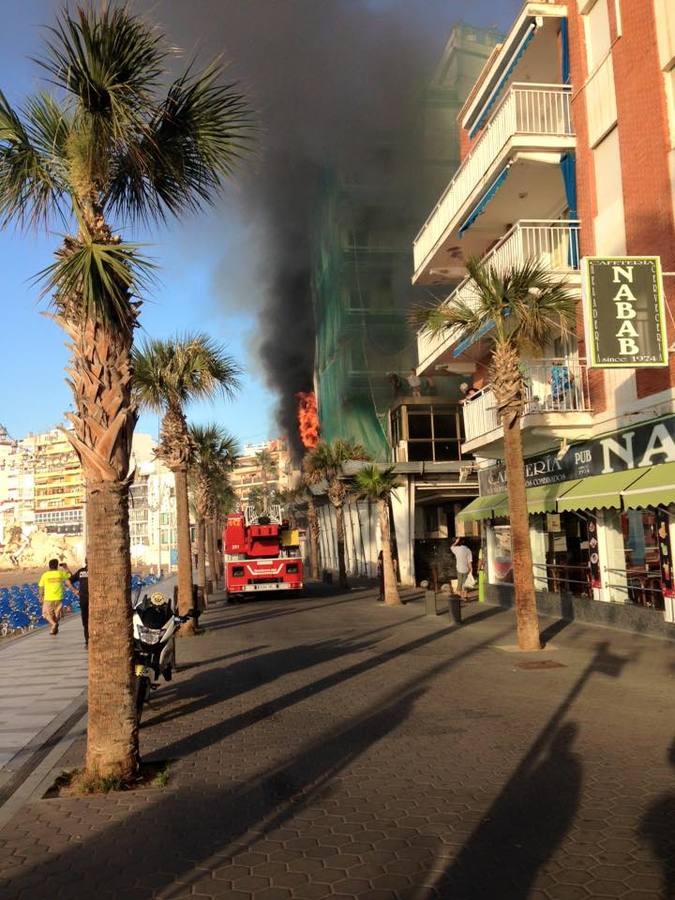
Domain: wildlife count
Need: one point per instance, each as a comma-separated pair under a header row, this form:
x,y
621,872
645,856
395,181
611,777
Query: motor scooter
x,y
154,630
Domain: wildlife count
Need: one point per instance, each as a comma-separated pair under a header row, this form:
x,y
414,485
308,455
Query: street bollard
x,y
455,608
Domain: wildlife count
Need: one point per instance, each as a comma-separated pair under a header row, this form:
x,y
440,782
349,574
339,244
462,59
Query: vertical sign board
x,y
624,312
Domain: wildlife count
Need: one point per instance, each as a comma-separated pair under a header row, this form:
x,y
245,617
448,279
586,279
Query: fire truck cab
x,y
262,552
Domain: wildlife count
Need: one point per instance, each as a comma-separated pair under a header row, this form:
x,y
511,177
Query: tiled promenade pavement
x,y
41,677
329,747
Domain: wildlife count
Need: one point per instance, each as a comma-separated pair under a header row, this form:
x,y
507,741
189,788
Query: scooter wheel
x,y
168,673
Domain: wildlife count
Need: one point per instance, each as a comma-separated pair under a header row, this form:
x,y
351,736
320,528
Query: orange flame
x,y
308,419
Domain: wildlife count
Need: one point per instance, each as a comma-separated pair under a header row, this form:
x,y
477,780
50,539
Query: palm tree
x,y
375,485
215,452
527,308
325,463
225,501
267,468
308,479
111,146
169,374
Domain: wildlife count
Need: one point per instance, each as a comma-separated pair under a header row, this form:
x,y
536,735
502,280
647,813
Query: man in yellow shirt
x,y
52,587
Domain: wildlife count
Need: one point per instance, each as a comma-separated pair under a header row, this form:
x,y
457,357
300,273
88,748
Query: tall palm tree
x,y
375,485
112,146
267,467
225,501
168,375
325,463
215,453
527,309
308,480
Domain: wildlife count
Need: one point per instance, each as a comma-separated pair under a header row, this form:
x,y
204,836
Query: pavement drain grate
x,y
540,664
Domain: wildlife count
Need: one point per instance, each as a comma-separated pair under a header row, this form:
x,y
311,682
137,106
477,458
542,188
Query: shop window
x,y
567,554
642,532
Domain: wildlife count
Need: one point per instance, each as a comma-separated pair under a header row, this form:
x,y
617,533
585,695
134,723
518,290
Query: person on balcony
x,y
415,384
561,381
467,391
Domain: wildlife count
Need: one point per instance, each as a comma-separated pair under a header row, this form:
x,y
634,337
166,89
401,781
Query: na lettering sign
x,y
624,312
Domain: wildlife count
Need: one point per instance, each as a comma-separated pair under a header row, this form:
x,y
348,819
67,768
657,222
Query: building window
x,y
598,38
434,434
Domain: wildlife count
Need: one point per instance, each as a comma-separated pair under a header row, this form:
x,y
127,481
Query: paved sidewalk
x,y
331,747
44,682
41,676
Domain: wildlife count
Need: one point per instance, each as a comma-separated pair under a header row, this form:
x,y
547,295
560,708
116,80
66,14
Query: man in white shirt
x,y
464,560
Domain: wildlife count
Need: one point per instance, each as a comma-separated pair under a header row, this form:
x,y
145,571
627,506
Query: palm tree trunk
x,y
527,622
201,555
313,522
340,534
212,553
112,730
184,550
391,595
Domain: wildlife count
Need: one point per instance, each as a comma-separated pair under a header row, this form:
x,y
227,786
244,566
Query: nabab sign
x,y
624,311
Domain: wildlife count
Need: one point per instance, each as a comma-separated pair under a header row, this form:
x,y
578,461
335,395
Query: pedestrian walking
x,y
380,576
80,582
464,559
52,587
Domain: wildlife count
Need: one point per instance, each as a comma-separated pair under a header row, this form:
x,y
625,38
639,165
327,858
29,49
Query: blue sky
x,y
209,266
192,292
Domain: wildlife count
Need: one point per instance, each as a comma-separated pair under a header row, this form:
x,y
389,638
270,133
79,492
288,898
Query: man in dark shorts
x,y
80,581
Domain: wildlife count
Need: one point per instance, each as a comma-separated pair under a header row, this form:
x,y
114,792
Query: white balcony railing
x,y
526,109
552,386
553,244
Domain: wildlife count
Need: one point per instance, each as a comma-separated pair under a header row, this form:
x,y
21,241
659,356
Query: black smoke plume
x,y
328,78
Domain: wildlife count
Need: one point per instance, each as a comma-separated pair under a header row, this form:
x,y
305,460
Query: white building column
x,y
403,508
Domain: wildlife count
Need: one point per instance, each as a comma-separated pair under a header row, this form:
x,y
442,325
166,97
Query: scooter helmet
x,y
157,599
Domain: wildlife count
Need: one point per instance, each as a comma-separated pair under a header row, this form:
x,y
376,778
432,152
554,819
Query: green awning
x,y
599,491
543,498
480,508
656,487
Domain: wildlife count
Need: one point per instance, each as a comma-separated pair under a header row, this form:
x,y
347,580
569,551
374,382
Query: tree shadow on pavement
x,y
159,848
223,729
222,683
658,826
534,811
268,613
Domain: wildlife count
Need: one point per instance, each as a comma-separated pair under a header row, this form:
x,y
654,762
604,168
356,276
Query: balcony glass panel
x,y
445,425
419,425
419,451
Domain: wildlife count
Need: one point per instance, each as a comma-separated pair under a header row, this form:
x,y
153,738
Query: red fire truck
x,y
262,553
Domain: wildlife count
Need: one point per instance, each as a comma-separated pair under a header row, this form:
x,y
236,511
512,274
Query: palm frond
x,y
97,281
375,484
189,148
32,183
110,61
185,368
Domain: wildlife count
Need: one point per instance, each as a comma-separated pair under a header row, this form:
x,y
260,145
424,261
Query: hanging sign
x,y
624,312
644,444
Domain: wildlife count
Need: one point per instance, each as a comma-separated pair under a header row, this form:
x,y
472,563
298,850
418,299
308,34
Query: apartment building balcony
x,y
512,172
554,244
557,407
